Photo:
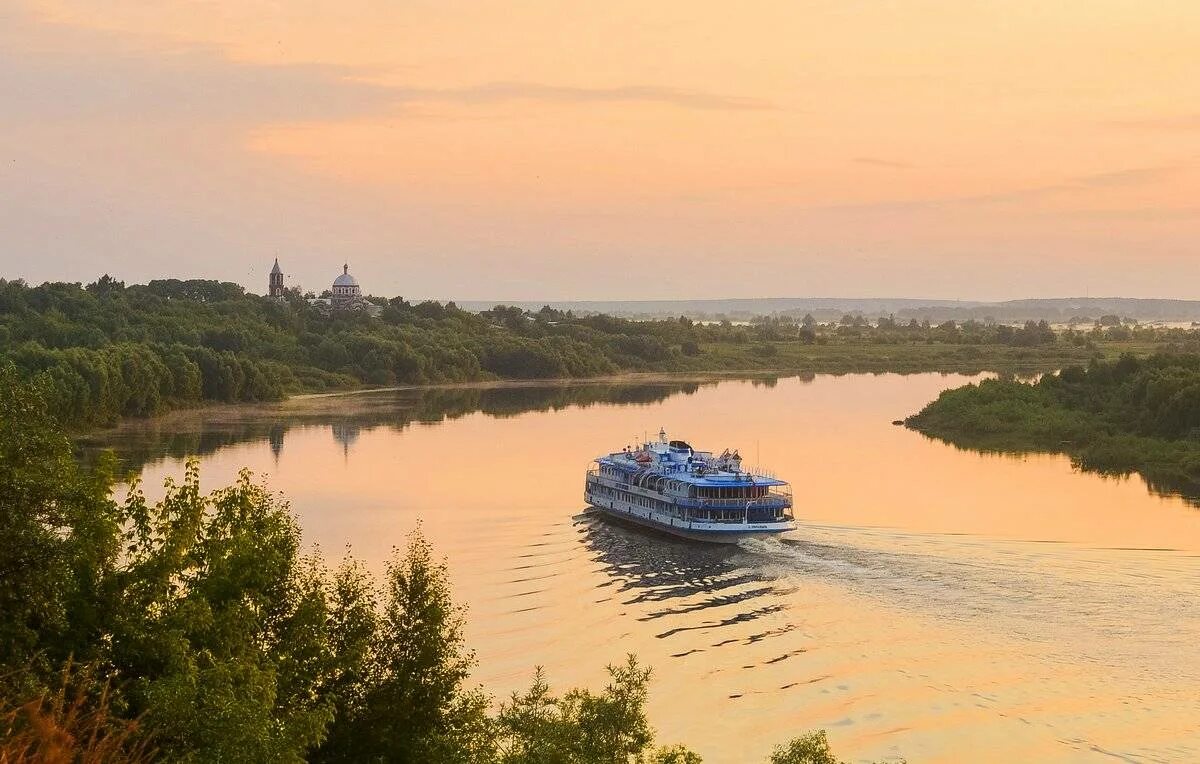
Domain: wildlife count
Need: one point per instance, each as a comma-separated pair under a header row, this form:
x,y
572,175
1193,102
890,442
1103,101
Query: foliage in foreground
x,y
192,629
70,724
1113,417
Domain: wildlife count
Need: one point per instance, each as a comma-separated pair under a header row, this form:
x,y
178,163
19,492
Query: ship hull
x,y
712,533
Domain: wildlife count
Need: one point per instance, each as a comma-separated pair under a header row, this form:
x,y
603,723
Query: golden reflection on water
x,y
935,604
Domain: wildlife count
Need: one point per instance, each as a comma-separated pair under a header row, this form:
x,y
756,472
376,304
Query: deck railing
x,y
753,515
772,499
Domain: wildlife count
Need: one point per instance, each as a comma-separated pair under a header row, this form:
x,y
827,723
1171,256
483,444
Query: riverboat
x,y
670,486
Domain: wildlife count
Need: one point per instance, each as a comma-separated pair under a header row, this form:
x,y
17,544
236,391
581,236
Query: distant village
x,y
344,295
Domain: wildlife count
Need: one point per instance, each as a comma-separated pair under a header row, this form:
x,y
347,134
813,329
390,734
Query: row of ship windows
x,y
718,515
702,492
641,501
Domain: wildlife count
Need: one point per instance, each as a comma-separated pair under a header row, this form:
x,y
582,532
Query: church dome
x,y
345,280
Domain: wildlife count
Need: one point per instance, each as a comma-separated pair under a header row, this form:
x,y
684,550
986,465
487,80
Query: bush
x,y
812,748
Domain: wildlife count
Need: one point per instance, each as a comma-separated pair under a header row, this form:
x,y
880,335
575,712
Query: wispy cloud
x,y
1136,214
888,163
498,92
56,71
1134,176
1169,122
51,71
1127,177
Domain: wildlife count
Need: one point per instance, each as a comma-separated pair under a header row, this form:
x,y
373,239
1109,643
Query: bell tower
x,y
275,283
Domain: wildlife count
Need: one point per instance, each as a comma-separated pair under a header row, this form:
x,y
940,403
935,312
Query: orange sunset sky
x,y
563,150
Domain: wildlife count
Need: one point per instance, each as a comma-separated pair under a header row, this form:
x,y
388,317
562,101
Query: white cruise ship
x,y
672,487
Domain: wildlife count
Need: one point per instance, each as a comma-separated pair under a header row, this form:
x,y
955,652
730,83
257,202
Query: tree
x,y
222,630
583,727
196,607
59,540
532,728
105,285
675,754
812,748
613,725
414,705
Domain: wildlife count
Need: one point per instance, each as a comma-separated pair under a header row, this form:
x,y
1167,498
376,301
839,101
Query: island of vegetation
x,y
1114,417
107,350
196,629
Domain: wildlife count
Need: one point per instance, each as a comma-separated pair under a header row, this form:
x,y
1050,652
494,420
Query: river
x,y
934,604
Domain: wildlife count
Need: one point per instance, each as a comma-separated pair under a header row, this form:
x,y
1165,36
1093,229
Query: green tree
x,y
583,727
812,748
532,728
675,754
222,632
613,725
414,706
59,540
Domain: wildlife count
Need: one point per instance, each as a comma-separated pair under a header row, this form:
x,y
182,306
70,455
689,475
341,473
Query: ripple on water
x,y
905,627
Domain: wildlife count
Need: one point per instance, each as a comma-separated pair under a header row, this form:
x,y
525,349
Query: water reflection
x,y
677,575
932,598
1159,481
206,431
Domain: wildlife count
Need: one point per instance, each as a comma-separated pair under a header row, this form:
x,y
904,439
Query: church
x,y
345,294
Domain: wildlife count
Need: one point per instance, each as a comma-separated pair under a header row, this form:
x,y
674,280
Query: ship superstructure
x,y
700,495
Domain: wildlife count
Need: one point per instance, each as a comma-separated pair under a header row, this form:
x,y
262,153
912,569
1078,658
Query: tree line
x,y
196,628
107,350
1117,416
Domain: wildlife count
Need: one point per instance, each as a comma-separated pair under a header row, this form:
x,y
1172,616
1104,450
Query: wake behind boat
x,y
670,486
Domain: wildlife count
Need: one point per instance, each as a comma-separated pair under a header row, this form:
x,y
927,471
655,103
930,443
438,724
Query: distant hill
x,y
1060,309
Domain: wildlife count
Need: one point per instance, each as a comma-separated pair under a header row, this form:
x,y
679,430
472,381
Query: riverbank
x,y
861,355
789,359
107,351
1114,417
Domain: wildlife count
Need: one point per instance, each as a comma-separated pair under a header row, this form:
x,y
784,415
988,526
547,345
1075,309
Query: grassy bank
x,y
871,355
1113,417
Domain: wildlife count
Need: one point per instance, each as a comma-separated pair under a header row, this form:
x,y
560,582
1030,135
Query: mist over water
x,y
934,604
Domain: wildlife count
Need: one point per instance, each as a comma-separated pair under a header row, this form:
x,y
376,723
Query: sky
x,y
541,149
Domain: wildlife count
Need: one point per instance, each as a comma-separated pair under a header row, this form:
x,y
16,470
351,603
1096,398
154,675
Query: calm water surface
x,y
935,604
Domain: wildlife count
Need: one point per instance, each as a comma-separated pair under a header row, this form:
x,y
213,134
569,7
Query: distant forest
x,y
108,350
1062,310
